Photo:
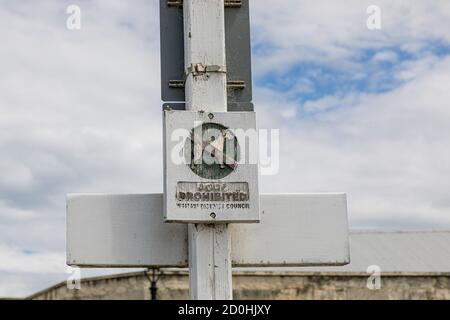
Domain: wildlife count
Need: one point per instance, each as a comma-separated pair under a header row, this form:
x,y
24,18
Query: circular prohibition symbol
x,y
212,151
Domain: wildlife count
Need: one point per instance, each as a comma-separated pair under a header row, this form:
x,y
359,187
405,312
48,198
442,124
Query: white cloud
x,y
79,112
331,102
17,285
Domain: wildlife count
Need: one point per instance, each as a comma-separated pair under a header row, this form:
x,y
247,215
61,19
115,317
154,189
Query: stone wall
x,y
286,286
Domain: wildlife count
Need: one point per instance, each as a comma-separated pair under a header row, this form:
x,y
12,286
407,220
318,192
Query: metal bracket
x,y
200,69
232,106
228,3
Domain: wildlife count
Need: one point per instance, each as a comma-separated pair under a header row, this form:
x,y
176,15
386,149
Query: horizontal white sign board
x,y
129,231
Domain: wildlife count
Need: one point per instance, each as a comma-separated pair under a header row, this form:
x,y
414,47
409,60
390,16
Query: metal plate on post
x,y
238,51
296,230
122,231
211,167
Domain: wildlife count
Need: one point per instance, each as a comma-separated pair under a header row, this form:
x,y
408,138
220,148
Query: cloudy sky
x,y
361,111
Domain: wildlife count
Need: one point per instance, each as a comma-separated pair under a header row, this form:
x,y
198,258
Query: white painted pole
x,y
209,245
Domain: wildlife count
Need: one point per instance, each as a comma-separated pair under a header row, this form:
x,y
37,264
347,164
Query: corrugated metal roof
x,y
393,252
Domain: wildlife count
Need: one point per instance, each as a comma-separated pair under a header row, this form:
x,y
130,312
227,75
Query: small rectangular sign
x,y
296,230
211,167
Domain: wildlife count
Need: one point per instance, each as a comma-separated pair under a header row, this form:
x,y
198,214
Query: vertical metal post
x,y
209,245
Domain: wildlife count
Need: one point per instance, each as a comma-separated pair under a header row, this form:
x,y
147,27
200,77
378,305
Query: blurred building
x,y
385,265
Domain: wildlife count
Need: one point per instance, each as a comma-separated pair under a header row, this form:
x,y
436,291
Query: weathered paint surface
x,y
122,231
128,230
238,55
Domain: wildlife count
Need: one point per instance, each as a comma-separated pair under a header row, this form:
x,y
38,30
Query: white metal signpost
x,y
210,216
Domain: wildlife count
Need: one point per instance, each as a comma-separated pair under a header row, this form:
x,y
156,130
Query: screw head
x,y
213,215
211,116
